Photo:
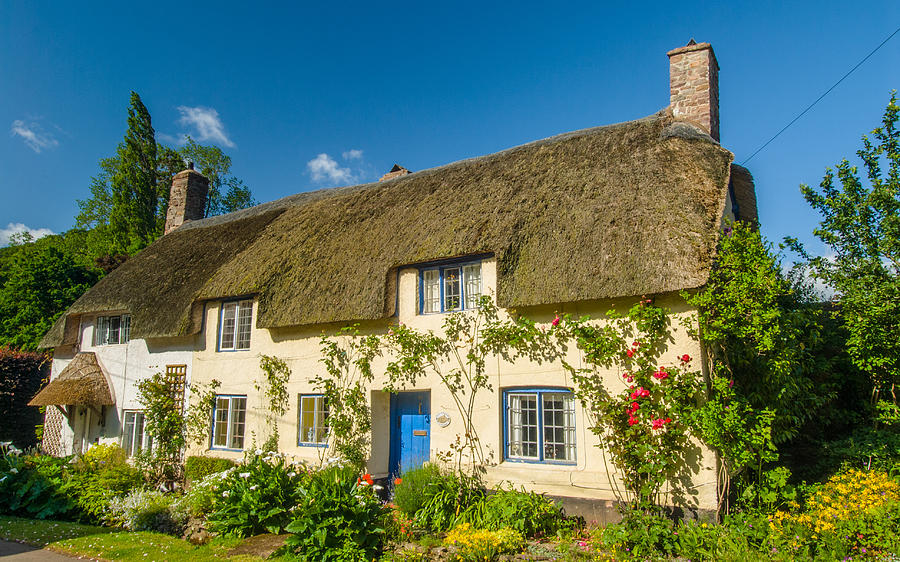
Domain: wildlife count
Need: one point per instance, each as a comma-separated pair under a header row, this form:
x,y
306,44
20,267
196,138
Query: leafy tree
x,y
129,198
132,217
861,226
40,280
773,364
226,192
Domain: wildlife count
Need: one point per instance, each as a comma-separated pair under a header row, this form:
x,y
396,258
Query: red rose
x,y
685,358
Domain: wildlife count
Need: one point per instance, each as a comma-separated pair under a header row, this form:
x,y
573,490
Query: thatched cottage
x,y
577,223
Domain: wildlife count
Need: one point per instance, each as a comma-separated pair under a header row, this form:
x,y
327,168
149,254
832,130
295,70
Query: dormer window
x,y
235,324
111,330
450,287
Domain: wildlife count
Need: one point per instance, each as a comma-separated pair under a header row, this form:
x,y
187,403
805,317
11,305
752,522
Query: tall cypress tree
x,y
132,218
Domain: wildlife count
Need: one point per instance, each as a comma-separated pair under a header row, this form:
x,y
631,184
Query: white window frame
x,y
234,407
514,448
319,427
134,442
235,325
102,329
437,285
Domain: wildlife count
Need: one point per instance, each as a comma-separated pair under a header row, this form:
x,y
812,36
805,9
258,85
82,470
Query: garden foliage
x,y
338,517
257,496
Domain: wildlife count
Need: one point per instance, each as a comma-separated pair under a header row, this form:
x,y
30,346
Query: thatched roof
x,y
622,210
82,381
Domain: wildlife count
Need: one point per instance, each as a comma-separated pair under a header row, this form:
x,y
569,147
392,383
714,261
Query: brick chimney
x,y
395,172
187,199
694,84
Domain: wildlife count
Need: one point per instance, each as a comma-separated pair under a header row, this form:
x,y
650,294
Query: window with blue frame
x,y
450,287
540,425
229,417
313,413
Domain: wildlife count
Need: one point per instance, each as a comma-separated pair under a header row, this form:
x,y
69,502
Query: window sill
x,y
314,445
540,462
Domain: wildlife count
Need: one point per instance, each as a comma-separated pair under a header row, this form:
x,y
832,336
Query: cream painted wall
x,y
592,476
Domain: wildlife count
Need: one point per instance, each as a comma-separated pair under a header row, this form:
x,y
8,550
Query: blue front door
x,y
410,430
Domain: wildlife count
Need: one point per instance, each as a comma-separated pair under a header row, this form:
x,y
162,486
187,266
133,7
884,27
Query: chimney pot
x,y
694,86
187,198
395,172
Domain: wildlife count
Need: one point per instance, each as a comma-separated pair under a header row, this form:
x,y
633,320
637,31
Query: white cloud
x,y
34,135
206,124
17,228
352,154
325,168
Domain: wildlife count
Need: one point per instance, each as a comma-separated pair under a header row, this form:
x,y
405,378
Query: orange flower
x,y
397,481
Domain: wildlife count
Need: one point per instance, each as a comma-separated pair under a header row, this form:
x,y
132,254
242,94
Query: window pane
x,y
101,330
126,329
128,433
559,426
220,426
523,429
238,412
472,275
431,291
451,289
245,321
228,319
138,432
114,323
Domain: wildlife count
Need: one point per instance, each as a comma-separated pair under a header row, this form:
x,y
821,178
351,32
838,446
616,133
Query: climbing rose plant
x,y
641,421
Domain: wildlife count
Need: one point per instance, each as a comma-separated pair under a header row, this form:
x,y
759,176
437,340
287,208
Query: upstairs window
x,y
450,288
235,324
112,330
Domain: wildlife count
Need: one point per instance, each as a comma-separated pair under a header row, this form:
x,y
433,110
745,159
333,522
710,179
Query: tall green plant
x,y
861,227
347,357
644,422
276,375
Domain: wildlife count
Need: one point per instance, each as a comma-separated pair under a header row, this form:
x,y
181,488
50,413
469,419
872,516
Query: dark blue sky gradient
x,y
424,84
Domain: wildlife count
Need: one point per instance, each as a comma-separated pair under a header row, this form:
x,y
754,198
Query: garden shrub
x,y
92,490
146,510
409,489
199,499
338,518
197,468
476,545
444,499
640,534
256,497
528,513
31,485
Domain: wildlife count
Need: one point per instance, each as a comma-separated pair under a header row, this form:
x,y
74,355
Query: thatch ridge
x,y
82,381
620,210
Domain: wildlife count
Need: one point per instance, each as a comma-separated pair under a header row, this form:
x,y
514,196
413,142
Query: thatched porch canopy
x,y
81,382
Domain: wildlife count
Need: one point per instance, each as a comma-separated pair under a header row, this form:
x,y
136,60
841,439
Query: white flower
x,y
376,487
5,443
259,452
226,493
244,475
292,474
254,487
14,470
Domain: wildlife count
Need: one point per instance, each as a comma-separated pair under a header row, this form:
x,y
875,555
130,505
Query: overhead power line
x,y
828,91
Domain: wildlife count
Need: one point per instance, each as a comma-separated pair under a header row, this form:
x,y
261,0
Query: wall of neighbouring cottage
x,y
591,476
125,365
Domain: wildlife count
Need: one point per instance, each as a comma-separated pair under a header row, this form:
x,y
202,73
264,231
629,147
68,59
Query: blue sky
x,y
423,84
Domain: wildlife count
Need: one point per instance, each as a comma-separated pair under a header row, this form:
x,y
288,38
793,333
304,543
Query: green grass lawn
x,y
102,542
